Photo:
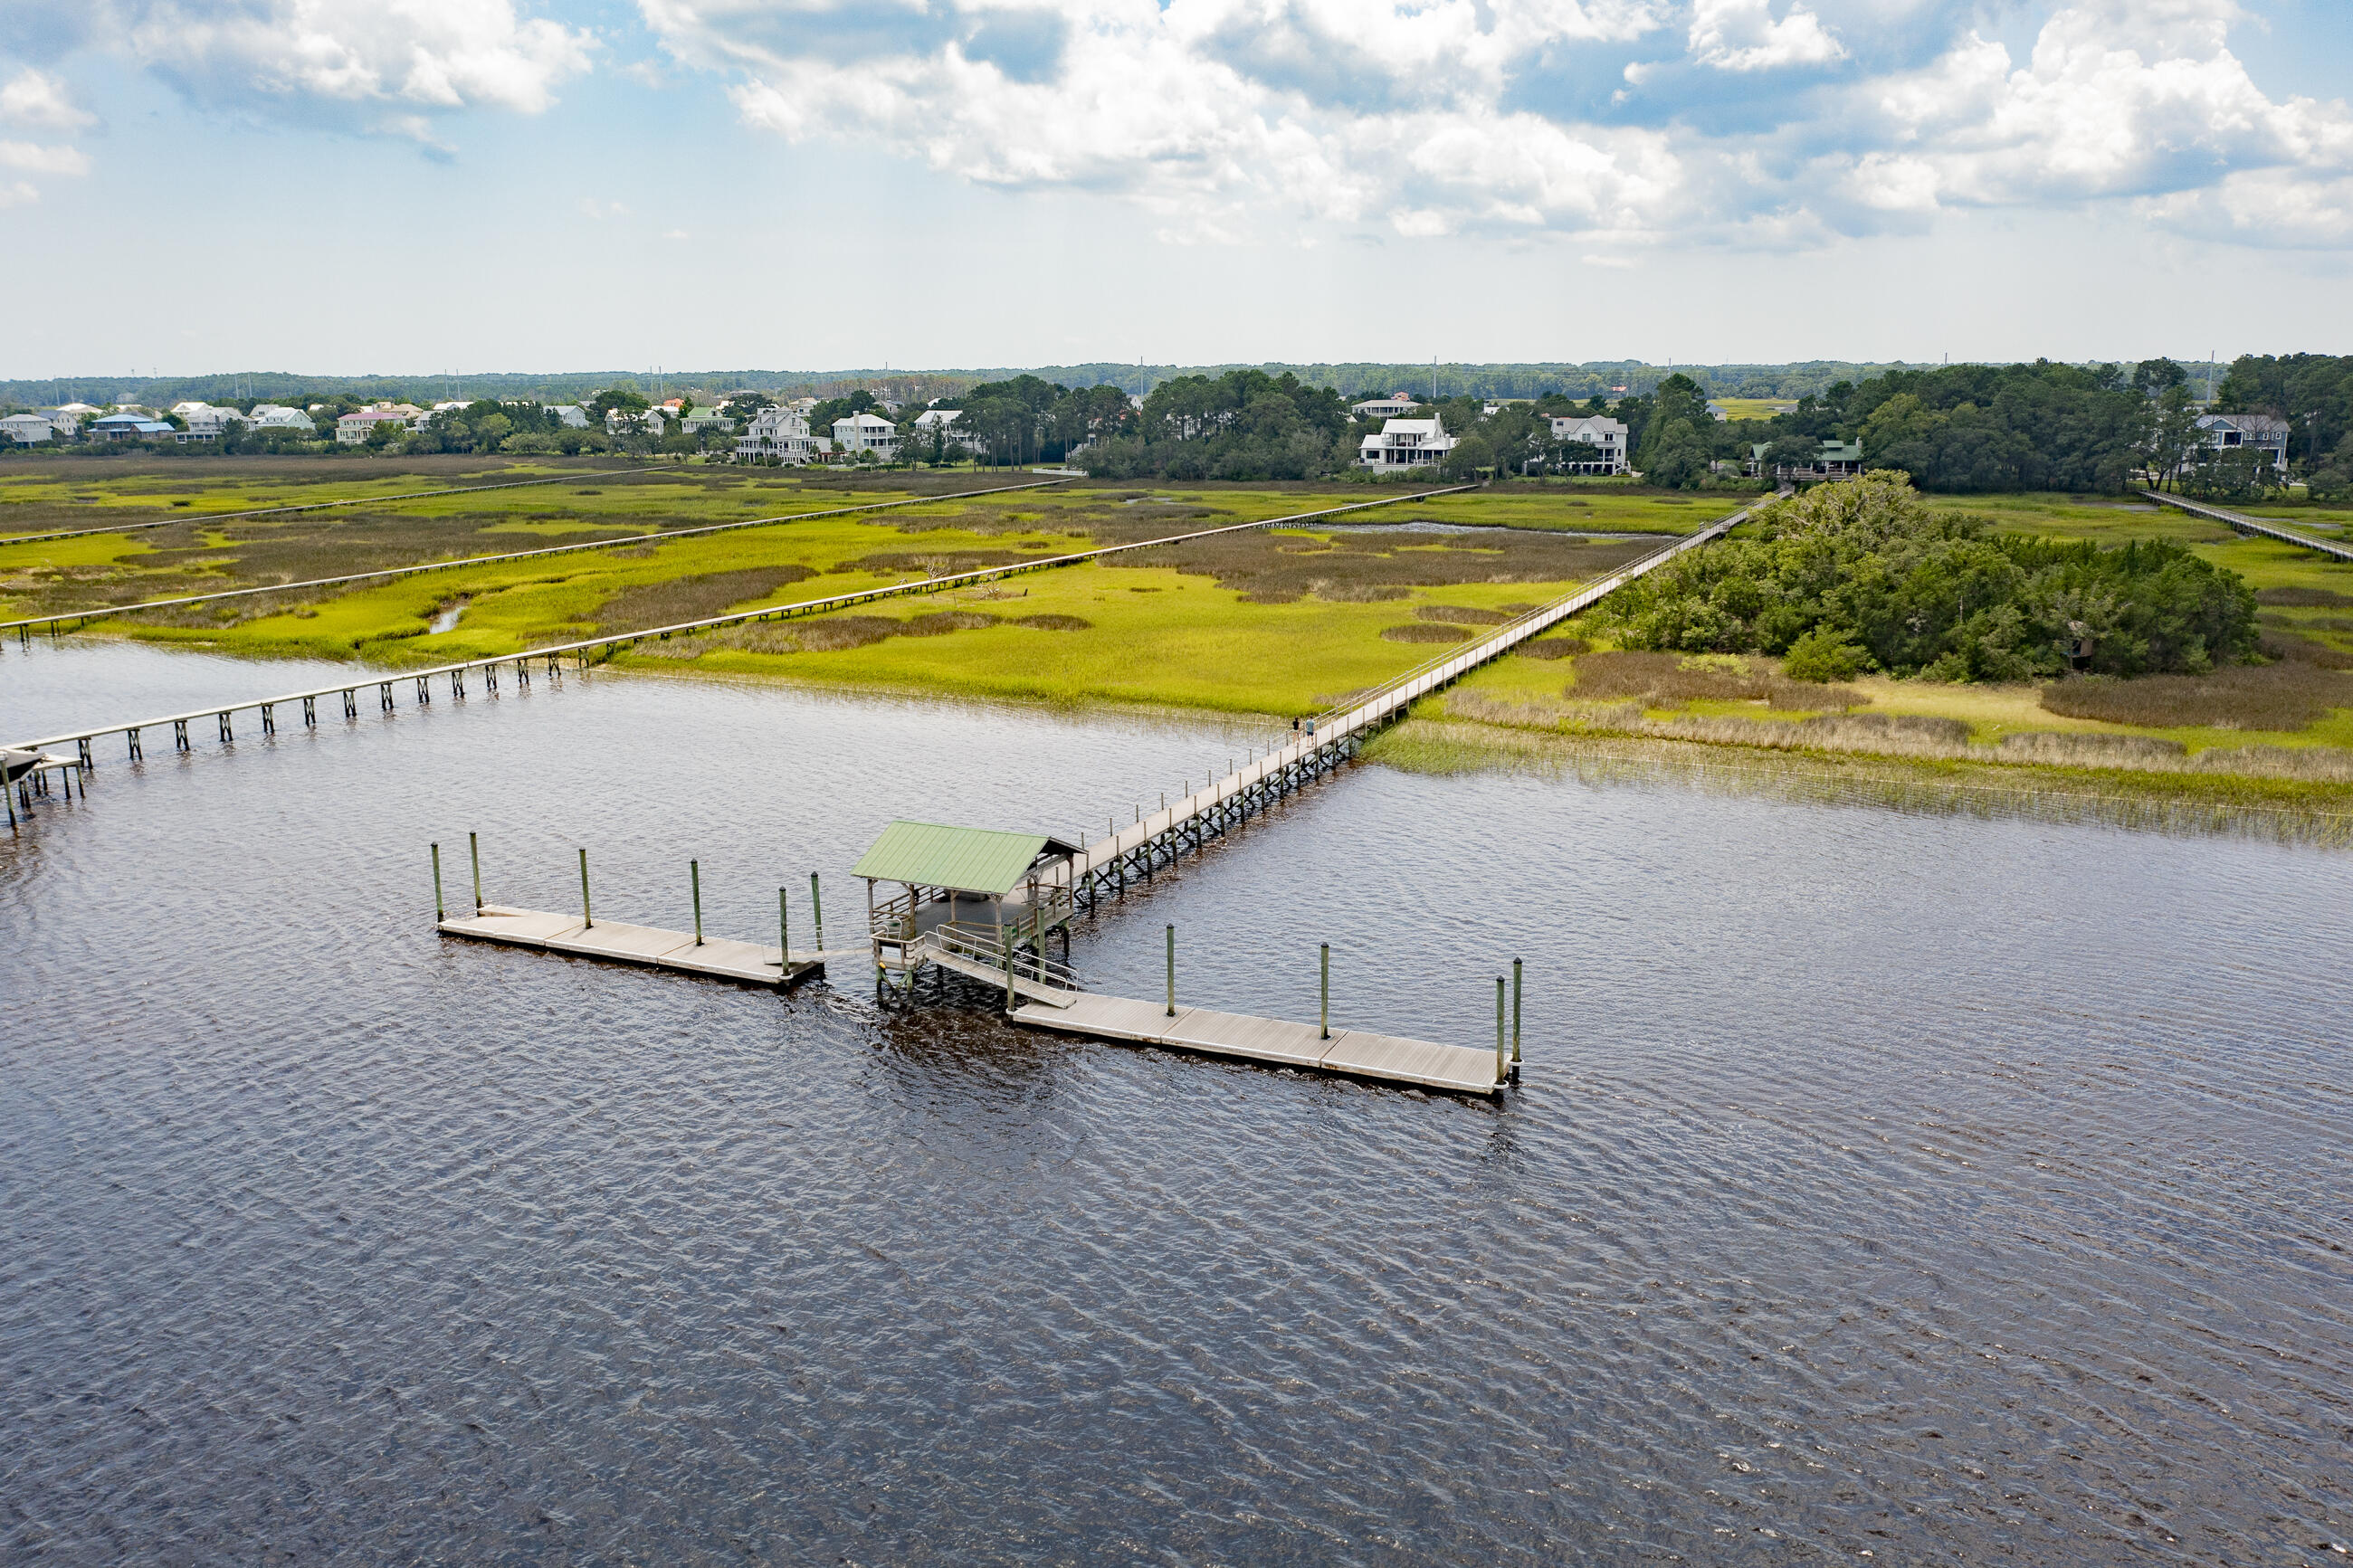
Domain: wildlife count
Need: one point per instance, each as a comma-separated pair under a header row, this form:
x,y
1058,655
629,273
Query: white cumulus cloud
x,y
1742,36
34,98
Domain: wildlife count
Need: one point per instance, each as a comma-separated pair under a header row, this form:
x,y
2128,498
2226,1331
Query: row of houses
x,y
1402,443
782,434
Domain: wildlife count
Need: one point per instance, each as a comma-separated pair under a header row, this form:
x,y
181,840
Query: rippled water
x,y
1942,1189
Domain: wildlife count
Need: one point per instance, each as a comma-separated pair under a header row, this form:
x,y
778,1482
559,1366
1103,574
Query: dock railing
x,y
2246,524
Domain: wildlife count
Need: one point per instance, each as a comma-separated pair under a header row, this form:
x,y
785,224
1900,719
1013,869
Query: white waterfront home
x,y
278,417
865,433
1406,444
777,435
1603,434
933,422
67,417
1396,405
354,427
27,429
571,415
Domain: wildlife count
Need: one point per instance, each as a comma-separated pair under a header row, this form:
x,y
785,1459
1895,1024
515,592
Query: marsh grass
x,y
2286,696
2303,598
1267,568
1553,648
1462,615
690,598
1425,631
834,634
2283,810
1669,681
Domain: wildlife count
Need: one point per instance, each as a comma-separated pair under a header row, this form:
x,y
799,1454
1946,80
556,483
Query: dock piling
x,y
1499,1028
694,874
1172,970
817,912
1515,1012
474,848
587,921
784,939
439,913
1328,991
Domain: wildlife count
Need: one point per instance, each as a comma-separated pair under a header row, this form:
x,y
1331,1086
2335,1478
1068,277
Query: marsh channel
x,y
1917,1185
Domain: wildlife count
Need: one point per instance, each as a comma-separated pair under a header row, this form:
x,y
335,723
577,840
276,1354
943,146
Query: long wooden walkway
x,y
648,945
2246,524
1160,837
1354,1052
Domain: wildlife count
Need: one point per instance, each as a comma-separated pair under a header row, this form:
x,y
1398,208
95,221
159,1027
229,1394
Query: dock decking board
x,y
722,957
1273,1040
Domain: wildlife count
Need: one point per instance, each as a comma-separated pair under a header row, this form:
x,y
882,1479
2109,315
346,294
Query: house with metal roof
x,y
1406,444
128,427
27,429
2267,432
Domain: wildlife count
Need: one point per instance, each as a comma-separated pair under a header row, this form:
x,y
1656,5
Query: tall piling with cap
x,y
783,939
817,912
694,876
587,920
474,848
1172,970
1516,1012
439,913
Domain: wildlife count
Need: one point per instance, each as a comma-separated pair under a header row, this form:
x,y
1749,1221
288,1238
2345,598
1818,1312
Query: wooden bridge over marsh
x,y
2245,524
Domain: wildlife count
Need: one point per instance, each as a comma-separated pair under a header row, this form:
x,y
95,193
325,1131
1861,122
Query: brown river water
x,y
1880,1187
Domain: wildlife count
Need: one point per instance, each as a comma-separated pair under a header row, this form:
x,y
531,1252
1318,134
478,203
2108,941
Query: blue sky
x,y
418,185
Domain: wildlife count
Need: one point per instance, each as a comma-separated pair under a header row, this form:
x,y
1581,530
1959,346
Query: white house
x,y
27,429
2229,432
571,415
278,417
1396,405
865,433
1406,444
66,419
695,420
1603,434
933,422
777,433
353,429
205,423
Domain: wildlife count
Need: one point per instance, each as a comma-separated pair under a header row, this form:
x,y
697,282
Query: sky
x,y
414,186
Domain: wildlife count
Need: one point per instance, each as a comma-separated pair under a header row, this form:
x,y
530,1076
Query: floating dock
x,y
1270,1040
648,945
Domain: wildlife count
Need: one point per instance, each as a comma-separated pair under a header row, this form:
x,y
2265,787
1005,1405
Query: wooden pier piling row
x,y
1386,1058
649,945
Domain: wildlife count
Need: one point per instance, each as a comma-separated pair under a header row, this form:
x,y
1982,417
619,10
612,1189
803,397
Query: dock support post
x,y
694,873
1009,974
1172,970
587,921
817,912
8,788
784,940
439,913
1328,991
474,848
1499,1028
1515,1012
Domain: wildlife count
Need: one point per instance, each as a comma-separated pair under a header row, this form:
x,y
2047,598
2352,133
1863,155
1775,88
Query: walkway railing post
x,y
694,874
587,920
474,848
1515,1012
1327,989
817,912
1172,970
439,913
1499,1028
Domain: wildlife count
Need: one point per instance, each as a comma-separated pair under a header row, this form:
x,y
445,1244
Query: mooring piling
x,y
1499,1028
438,912
474,848
1172,970
783,934
817,912
587,920
1328,991
1515,1012
694,874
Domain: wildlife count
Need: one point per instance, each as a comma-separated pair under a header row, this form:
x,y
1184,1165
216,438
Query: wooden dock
x,y
649,945
1354,1052
2245,524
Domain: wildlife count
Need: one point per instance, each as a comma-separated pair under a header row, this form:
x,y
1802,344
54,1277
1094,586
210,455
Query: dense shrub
x,y
1932,593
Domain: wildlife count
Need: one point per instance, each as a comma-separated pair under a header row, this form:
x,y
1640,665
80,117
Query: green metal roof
x,y
969,860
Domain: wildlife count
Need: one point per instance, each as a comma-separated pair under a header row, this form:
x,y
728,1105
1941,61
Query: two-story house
x,y
2267,432
1599,431
777,435
1406,444
865,433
